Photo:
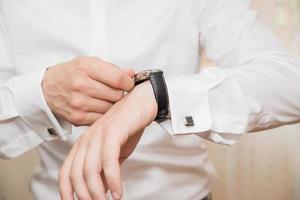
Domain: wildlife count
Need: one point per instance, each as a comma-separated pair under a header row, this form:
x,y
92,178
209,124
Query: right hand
x,y
83,89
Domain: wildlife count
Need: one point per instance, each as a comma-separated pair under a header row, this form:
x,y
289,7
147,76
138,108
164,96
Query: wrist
x,y
160,90
145,90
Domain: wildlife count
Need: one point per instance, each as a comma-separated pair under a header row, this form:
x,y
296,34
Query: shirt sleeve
x,y
254,86
25,119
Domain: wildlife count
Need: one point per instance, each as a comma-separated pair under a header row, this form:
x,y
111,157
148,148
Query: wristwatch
x,y
159,86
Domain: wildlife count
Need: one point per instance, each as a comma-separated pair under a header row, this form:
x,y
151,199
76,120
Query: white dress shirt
x,y
254,86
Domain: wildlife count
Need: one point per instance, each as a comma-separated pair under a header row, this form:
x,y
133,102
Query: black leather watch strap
x,y
161,94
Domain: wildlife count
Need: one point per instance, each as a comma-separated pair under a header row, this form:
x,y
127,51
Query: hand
x,y
82,90
109,141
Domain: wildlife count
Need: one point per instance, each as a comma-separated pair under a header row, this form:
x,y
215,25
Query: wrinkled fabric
x,y
253,86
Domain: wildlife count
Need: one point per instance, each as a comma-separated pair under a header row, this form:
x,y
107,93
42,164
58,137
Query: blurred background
x,y
261,166
264,165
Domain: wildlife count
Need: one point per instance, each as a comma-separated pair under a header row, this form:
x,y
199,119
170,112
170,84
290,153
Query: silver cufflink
x,y
189,121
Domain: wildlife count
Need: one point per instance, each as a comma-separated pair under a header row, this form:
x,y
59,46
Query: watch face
x,y
144,75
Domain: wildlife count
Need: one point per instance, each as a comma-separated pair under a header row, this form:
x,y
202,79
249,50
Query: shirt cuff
x,y
198,96
32,107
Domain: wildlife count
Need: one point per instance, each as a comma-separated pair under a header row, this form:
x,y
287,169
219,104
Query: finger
x,y
65,187
130,72
104,182
77,180
110,75
93,88
91,118
111,166
96,106
92,167
89,104
103,92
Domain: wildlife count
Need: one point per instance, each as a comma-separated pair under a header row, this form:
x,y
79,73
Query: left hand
x,y
95,158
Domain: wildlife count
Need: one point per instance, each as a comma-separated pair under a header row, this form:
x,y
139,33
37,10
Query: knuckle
x,y
105,163
110,177
87,172
76,103
81,60
108,161
74,177
82,64
78,84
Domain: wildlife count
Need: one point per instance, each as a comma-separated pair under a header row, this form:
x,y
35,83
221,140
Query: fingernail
x,y
116,196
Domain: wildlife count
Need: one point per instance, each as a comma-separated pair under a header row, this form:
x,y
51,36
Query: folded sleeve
x,y
25,119
254,86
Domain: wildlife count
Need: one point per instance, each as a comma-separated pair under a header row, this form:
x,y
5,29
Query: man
x,y
254,87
